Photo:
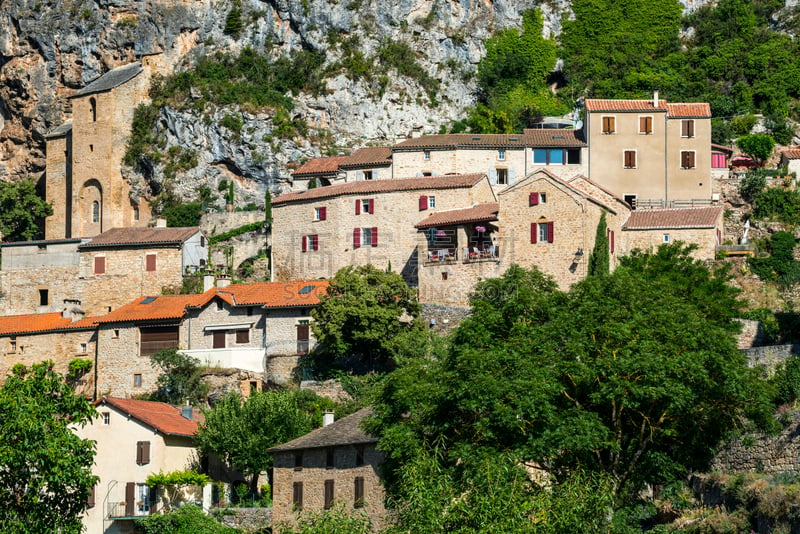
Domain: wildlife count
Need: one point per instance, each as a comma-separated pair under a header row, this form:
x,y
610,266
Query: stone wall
x,y
118,361
443,319
770,355
762,453
330,389
247,519
218,223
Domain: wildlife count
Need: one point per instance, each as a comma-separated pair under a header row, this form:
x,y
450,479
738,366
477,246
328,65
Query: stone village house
x,y
263,328
101,273
336,464
135,439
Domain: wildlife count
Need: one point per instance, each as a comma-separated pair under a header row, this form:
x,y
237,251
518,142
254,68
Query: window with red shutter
x,y
304,243
372,205
356,237
323,213
358,206
99,265
533,199
550,232
374,236
534,232
423,203
315,242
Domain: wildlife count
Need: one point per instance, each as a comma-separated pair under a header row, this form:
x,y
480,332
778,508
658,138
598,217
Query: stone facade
x,y
395,209
84,181
121,369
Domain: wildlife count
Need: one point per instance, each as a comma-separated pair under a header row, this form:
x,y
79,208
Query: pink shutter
x,y
372,205
534,232
423,203
304,244
533,199
315,242
356,237
374,236
358,207
550,232
323,213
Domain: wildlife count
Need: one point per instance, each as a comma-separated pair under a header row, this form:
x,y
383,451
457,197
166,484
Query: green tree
x,y
188,519
759,146
600,258
367,317
632,377
182,215
180,379
241,431
337,520
21,211
45,469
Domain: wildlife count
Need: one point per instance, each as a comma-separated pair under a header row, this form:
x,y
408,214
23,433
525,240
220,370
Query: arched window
x,y
95,212
93,104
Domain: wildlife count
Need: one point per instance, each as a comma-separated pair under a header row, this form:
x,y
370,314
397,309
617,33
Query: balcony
x,y
247,359
476,254
442,255
122,510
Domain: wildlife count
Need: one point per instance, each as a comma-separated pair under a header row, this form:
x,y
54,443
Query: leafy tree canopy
x,y
337,520
632,377
180,379
758,146
241,431
366,318
21,210
188,519
45,469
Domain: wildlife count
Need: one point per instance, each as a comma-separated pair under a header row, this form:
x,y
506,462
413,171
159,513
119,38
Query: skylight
x,y
148,300
306,290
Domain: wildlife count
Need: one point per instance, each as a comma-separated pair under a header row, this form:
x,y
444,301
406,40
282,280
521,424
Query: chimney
x,y
187,411
208,282
223,281
655,99
327,418
72,310
161,222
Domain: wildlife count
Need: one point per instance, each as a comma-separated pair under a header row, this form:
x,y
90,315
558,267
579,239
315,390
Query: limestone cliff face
x,y
49,49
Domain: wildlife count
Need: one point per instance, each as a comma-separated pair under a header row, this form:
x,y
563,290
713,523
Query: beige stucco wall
x,y
115,463
313,475
395,215
689,184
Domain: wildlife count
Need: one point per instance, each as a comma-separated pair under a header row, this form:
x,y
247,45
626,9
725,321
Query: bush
x,y
751,185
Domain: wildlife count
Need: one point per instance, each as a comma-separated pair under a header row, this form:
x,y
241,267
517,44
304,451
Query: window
x,y
44,297
427,173
501,154
137,380
297,496
542,232
573,156
665,238
243,336
115,334
320,214
426,155
84,348
310,242
366,237
444,275
93,109
150,262
219,305
12,345
368,175
359,456
431,201
330,458
423,203
298,460
303,330
631,200
249,311
328,494
629,157
358,493
609,125
136,218
719,161
365,205
106,418
687,128
156,338
95,211
646,125
99,265
142,452
546,156
540,156
91,148
687,159
502,176
202,244
218,339
556,157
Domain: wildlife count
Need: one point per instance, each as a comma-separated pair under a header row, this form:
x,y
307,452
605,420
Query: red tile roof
x,y
791,153
453,141
689,110
721,148
32,323
479,213
157,415
126,237
447,181
568,137
318,166
614,104
673,218
273,294
369,156
153,308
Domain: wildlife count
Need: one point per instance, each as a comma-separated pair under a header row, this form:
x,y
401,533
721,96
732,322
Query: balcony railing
x,y
134,510
442,255
249,359
472,254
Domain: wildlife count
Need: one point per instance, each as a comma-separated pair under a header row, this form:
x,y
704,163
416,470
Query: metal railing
x,y
439,255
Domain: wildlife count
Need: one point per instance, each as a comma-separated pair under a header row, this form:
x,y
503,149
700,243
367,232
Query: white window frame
x,y
542,232
694,124
501,154
602,119
106,418
652,124
542,197
503,181
665,238
431,202
365,206
317,212
426,155
635,157
681,159
366,237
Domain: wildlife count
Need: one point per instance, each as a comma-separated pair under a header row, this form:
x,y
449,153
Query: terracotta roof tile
x,y
318,166
41,322
153,308
345,431
721,148
126,237
689,109
623,105
447,181
536,137
673,218
369,156
479,213
791,153
274,294
157,415
462,141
